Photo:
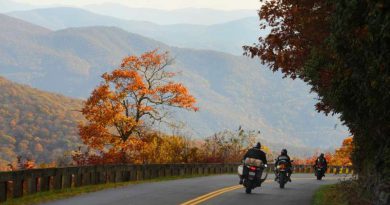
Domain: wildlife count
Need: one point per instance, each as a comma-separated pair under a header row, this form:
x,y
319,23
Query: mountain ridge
x,y
42,126
231,90
202,16
227,37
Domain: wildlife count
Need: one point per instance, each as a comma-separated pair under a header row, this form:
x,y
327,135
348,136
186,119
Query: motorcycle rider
x,y
284,157
321,160
255,153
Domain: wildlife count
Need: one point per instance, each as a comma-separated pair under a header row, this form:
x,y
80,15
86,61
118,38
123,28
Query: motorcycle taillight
x,y
252,168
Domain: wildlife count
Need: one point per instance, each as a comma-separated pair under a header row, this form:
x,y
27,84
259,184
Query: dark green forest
x,y
341,49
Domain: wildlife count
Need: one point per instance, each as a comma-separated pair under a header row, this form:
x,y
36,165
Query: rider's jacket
x,y
283,158
257,154
322,161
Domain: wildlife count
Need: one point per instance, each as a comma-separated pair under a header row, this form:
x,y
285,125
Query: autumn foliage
x,y
129,100
340,157
153,148
229,146
158,148
21,164
343,155
311,160
296,26
339,48
35,124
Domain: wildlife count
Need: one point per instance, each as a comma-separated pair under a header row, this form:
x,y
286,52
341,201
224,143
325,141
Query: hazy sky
x,y
161,4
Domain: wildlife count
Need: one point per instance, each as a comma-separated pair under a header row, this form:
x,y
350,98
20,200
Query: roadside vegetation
x,y
343,193
340,49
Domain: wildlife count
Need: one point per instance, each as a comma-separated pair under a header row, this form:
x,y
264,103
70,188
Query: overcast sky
x,y
160,4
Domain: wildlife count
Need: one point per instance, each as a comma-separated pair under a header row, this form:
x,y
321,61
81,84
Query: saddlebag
x,y
253,162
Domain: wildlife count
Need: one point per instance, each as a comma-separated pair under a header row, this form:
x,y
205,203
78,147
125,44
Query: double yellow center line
x,y
213,194
216,193
210,195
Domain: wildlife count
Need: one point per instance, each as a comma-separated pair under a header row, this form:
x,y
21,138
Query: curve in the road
x,y
213,190
206,197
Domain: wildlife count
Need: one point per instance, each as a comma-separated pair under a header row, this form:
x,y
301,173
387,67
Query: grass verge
x,y
42,197
342,193
329,195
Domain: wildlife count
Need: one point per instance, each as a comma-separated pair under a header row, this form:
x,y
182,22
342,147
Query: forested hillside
x,y
36,124
231,90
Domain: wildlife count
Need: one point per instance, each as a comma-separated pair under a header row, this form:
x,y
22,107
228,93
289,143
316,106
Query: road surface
x,y
206,190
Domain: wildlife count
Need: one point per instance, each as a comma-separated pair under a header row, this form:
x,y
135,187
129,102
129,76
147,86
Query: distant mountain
x,y
227,37
231,90
36,124
201,16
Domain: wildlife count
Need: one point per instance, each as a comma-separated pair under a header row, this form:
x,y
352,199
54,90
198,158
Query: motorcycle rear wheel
x,y
248,187
282,180
248,190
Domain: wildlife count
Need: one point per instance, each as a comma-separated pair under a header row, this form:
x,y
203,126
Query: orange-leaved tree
x,y
311,160
129,97
342,157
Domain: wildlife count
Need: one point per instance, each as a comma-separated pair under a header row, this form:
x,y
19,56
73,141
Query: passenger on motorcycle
x,y
255,153
284,157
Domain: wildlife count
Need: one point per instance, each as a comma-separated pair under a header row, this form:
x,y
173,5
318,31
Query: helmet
x,y
258,145
322,155
284,152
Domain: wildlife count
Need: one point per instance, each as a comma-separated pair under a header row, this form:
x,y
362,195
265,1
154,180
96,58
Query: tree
x,y
229,146
312,160
340,48
137,93
342,156
296,26
160,149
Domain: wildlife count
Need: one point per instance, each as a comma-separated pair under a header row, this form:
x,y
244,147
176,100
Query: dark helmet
x,y
322,155
258,145
284,152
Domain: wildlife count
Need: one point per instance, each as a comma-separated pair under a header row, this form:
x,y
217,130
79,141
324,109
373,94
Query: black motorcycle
x,y
281,173
252,177
319,171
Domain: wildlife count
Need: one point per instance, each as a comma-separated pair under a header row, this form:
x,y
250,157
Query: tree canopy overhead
x,y
341,49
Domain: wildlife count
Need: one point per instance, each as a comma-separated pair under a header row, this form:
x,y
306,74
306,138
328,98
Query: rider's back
x,y
285,158
321,161
256,154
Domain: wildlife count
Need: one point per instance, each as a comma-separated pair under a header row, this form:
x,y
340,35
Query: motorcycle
x,y
281,173
319,171
252,174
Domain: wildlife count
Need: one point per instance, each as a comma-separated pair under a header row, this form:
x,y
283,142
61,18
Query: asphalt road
x,y
206,190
